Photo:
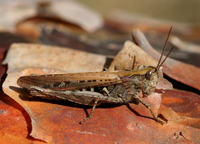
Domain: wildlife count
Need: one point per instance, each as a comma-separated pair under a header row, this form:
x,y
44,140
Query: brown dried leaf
x,y
164,84
125,58
41,56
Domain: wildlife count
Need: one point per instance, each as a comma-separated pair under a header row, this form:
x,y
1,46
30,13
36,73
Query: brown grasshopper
x,y
121,86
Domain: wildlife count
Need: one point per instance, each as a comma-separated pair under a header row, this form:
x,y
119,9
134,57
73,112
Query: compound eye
x,y
148,75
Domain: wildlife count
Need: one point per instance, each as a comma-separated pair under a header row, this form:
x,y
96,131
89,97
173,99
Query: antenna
x,y
159,62
165,58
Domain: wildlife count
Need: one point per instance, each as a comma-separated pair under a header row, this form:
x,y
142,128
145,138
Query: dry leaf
x,y
125,58
41,56
182,102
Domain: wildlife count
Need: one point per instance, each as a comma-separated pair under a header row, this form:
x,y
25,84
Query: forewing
x,y
75,81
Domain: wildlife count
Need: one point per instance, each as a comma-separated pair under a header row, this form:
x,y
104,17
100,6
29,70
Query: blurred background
x,y
183,11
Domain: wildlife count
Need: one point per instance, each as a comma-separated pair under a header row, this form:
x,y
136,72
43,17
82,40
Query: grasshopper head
x,y
151,76
150,82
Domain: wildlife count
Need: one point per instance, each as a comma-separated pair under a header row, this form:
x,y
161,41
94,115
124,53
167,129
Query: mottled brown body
x,y
117,87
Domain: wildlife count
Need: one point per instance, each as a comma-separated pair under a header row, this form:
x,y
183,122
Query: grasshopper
x,y
121,86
